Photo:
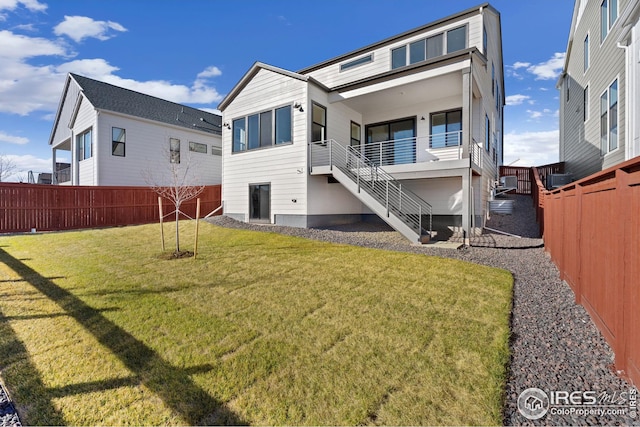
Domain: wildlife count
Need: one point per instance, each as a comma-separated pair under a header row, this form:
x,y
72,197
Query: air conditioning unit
x,y
556,180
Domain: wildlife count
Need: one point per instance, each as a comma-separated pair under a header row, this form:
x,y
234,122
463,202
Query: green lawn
x,y
260,328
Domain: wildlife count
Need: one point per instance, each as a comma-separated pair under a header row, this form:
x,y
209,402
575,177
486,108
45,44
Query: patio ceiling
x,y
391,95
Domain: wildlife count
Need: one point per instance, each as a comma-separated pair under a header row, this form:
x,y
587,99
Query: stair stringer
x,y
378,208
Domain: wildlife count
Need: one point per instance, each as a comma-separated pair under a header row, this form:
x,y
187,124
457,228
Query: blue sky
x,y
194,51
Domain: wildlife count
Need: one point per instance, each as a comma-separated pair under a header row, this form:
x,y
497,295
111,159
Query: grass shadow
x,y
171,384
24,378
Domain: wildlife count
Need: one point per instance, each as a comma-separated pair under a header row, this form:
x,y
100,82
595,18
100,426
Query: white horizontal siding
x,y
331,75
580,140
85,119
283,167
147,150
62,132
443,194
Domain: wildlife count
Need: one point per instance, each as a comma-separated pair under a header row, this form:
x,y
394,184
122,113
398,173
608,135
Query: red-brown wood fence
x,y
592,232
24,207
526,182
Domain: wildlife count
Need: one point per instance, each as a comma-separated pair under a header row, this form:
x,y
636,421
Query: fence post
x,y
630,199
623,230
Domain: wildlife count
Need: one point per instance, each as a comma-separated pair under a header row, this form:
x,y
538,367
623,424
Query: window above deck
x,y
429,47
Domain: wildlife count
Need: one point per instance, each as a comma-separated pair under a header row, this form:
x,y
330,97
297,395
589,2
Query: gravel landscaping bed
x,y
555,346
8,415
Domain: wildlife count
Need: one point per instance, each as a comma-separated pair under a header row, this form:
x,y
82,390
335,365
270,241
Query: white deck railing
x,y
444,146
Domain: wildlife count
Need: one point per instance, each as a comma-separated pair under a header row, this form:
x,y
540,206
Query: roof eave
x,y
56,120
452,57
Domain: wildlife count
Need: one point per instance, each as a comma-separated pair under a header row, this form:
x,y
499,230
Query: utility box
x,y
501,206
556,180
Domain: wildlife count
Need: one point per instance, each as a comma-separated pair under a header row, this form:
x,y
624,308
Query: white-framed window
x,y
197,147
319,122
485,42
356,134
84,142
430,47
356,62
608,15
585,104
445,129
264,129
118,141
586,52
487,132
493,79
174,150
609,118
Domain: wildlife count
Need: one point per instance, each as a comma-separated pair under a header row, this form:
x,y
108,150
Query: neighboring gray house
x,y
600,87
408,128
112,135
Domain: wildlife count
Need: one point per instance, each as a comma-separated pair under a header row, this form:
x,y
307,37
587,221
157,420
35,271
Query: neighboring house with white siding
x,y
409,128
600,87
113,136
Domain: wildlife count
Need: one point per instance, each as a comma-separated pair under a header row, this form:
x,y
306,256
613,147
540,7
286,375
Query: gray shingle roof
x,y
105,96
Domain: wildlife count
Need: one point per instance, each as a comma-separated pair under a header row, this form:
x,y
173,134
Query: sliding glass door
x,y
260,202
392,143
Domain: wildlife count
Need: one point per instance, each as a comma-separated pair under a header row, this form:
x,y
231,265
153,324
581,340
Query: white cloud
x,y
550,69
79,28
545,112
531,148
283,20
212,111
20,140
516,99
534,114
198,93
518,64
25,88
32,5
18,47
211,71
96,68
28,162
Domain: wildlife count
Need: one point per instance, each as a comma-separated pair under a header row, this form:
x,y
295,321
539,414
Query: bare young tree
x,y
176,181
7,167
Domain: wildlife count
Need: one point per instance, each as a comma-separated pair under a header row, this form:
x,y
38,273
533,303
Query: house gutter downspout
x,y
467,105
627,93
